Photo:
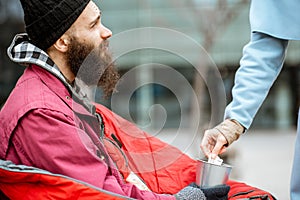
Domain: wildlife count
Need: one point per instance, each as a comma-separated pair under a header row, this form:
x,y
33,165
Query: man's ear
x,y
62,44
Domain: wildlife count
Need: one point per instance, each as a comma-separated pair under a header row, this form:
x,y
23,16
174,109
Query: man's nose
x,y
105,32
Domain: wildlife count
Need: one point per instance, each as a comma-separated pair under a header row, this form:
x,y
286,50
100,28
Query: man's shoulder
x,y
31,92
32,89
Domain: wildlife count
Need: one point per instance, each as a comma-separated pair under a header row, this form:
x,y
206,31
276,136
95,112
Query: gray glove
x,y
190,193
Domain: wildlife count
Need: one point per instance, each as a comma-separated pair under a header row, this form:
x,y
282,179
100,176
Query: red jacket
x,y
41,126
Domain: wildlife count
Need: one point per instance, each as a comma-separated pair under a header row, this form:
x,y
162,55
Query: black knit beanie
x,y
47,20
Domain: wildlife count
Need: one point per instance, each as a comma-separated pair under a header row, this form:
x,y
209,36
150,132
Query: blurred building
x,y
221,29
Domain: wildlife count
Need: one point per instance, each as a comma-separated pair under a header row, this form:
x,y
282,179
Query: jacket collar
x,y
24,53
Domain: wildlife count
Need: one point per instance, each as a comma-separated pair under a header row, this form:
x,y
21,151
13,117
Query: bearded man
x,y
48,121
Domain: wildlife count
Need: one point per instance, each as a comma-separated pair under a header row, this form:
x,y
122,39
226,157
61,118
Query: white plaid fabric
x,y
23,52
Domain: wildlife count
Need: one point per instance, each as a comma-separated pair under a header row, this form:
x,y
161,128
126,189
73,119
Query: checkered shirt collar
x,y
23,52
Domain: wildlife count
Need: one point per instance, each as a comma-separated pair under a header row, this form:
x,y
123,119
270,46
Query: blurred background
x,y
221,28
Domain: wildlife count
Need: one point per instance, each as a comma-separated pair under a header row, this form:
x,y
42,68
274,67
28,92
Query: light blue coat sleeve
x,y
260,65
273,23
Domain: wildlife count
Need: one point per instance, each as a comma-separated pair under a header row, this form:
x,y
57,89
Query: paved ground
x,y
261,158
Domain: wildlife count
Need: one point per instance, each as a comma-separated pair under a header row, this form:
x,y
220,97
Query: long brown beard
x,y
94,66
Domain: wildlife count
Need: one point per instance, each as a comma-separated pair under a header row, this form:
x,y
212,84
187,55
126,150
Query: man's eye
x,y
96,23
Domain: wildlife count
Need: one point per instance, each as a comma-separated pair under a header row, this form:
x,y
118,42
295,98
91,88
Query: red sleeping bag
x,y
164,168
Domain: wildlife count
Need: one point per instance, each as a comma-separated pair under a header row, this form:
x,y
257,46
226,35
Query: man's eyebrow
x,y
97,19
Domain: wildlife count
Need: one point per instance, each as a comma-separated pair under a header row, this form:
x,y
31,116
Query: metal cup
x,y
208,175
